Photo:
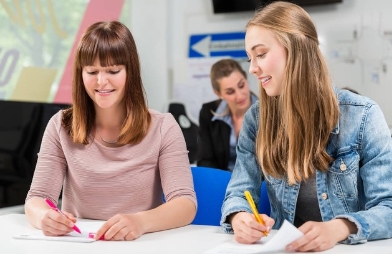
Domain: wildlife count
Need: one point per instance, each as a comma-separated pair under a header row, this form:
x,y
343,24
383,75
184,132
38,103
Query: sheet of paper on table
x,y
85,227
286,234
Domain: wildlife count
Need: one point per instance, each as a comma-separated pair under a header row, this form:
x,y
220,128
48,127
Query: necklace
x,y
108,141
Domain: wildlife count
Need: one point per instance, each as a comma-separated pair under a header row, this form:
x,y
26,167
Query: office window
x,y
37,41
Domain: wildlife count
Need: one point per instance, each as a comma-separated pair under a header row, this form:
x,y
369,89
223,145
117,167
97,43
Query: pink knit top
x,y
99,182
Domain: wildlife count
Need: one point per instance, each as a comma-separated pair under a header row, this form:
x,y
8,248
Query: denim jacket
x,y
357,186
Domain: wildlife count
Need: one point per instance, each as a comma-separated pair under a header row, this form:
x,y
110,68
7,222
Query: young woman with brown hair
x,y
112,157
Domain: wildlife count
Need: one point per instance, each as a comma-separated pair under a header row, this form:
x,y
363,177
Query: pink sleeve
x,y
174,167
51,164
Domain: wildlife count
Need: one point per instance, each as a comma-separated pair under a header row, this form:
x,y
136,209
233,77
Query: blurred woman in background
x,y
220,121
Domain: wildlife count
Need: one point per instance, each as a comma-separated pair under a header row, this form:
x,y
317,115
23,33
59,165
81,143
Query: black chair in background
x,y
17,129
21,129
188,126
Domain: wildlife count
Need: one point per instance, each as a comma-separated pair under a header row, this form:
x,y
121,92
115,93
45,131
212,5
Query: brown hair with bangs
x,y
295,126
113,44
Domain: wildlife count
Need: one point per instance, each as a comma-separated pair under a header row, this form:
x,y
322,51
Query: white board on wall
x,y
356,39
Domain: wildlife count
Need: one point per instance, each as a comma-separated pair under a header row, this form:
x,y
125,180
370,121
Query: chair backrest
x,y
21,130
17,130
264,206
210,187
188,126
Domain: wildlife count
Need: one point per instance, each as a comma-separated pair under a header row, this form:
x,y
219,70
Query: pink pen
x,y
54,207
92,235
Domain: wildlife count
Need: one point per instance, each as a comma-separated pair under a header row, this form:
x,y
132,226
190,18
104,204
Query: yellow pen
x,y
254,209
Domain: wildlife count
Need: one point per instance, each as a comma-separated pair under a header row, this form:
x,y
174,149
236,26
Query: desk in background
x,y
192,239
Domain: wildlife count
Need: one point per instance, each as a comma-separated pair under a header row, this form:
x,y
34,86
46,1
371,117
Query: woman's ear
x,y
218,94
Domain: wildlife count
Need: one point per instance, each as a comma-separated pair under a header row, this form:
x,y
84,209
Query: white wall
x,y
149,25
356,38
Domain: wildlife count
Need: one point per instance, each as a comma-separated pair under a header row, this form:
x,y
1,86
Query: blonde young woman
x,y
112,157
325,153
220,121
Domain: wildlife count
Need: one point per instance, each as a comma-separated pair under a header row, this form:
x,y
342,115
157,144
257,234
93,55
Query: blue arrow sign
x,y
223,44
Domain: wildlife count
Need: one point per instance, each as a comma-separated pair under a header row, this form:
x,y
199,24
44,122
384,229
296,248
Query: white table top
x,y
192,239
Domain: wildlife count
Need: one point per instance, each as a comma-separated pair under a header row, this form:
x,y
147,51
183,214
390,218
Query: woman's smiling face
x,y
267,58
105,85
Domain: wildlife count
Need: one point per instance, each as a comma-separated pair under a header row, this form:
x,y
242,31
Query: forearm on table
x,y
35,208
175,213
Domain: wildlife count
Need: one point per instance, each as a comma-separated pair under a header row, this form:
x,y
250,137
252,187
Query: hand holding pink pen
x,y
54,207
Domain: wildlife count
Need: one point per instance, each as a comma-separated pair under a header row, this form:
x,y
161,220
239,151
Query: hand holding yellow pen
x,y
254,209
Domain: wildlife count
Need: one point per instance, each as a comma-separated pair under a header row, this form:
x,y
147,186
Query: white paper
x,y
286,235
85,227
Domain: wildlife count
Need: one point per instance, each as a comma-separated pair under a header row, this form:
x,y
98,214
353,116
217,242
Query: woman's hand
x,y
121,227
247,229
320,236
54,224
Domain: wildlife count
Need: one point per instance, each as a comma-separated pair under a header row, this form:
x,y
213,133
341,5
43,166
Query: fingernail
x,y
268,229
289,247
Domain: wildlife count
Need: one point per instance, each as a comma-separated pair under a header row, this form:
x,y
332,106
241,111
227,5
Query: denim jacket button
x,y
343,167
324,196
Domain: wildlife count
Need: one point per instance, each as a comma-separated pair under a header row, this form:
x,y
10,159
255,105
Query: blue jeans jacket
x,y
360,192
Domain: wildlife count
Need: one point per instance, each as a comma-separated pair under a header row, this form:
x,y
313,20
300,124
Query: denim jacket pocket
x,y
344,174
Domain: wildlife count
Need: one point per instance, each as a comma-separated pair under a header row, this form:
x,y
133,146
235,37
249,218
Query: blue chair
x,y
210,187
264,204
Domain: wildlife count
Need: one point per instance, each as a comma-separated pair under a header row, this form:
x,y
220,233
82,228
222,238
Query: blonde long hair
x,y
295,126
